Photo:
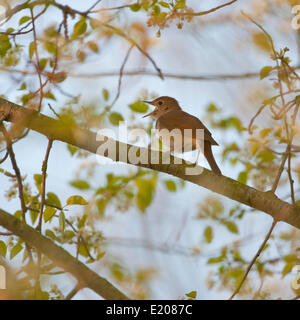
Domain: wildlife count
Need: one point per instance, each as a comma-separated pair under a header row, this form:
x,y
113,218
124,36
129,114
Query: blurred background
x,y
155,236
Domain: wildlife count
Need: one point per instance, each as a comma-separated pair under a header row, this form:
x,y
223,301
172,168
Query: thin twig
x,y
134,43
43,186
202,13
254,259
121,75
16,170
38,67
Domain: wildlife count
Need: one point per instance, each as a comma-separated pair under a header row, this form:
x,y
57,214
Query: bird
x,y
169,115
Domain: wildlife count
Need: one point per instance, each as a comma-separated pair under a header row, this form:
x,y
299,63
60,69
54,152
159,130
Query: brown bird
x,y
169,115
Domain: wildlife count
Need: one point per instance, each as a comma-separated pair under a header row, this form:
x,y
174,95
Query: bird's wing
x,y
183,120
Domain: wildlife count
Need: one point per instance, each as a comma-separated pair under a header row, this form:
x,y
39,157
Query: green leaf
x,y
69,234
80,184
50,47
49,213
105,94
145,192
72,149
115,118
266,156
33,215
180,4
15,250
287,269
215,260
264,132
101,204
62,221
265,71
79,28
231,226
23,86
192,294
23,20
18,214
3,248
164,4
31,49
291,258
243,177
76,200
82,250
43,63
5,44
139,106
211,108
53,199
10,30
50,234
170,185
135,7
208,234
38,181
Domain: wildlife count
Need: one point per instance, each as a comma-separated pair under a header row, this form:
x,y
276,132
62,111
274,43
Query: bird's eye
x,y
160,103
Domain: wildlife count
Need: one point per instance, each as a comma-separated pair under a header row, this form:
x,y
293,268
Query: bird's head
x,y
162,105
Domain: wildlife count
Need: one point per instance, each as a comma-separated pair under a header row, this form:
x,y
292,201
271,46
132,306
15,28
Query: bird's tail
x,y
210,158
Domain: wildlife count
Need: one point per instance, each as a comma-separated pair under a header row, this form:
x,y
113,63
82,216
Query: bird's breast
x,y
174,140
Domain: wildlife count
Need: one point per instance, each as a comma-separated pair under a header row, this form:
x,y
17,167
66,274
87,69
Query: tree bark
x,y
84,276
84,139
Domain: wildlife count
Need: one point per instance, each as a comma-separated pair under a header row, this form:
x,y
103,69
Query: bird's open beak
x,y
151,113
149,102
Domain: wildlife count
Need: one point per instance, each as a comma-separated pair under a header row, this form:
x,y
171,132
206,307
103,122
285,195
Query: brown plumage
x,y
169,115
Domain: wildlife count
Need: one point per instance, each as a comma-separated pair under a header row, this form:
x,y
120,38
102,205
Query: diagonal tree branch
x,y
85,276
54,129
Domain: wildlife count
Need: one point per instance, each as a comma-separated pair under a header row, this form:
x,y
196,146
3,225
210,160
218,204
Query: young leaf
x,y
33,215
49,213
180,4
31,49
72,149
3,248
5,44
80,184
82,250
243,176
62,221
101,204
23,20
170,185
76,200
105,94
135,7
53,199
79,28
15,250
265,71
192,294
208,234
115,118
164,4
231,226
139,106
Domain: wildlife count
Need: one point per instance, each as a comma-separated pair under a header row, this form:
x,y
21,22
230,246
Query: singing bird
x,y
169,115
